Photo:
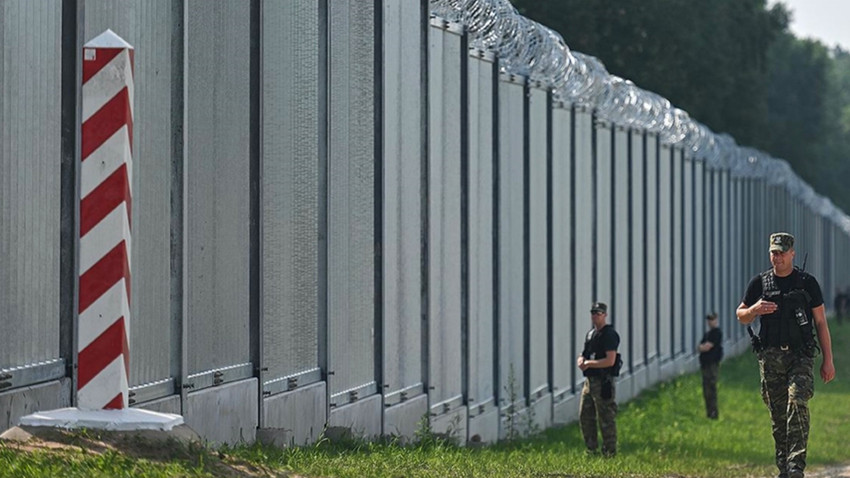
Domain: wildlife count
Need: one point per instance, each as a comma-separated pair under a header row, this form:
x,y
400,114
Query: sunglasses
x,y
597,312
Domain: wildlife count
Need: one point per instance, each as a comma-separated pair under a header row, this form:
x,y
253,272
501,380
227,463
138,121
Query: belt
x,y
784,348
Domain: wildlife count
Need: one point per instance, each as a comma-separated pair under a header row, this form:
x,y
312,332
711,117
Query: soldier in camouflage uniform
x,y
790,304
599,363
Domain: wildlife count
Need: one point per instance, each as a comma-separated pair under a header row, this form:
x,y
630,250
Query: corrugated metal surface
x,y
563,352
444,214
721,301
30,98
712,246
701,273
735,254
481,232
511,231
604,198
728,295
665,251
620,313
149,26
351,202
403,140
678,310
689,312
290,187
583,231
639,279
217,192
652,247
538,255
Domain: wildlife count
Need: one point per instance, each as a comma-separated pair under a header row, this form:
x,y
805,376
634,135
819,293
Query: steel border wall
x,y
432,250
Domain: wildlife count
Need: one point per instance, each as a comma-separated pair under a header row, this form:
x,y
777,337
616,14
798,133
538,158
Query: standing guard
x,y
600,363
790,304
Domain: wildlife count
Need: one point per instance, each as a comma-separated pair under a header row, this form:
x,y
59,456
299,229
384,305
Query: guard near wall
x,y
600,363
710,353
790,304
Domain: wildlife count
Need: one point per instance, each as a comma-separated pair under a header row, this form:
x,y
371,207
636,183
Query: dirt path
x,y
842,471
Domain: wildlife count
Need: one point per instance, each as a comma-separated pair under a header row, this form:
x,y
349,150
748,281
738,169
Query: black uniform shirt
x,y
600,342
715,336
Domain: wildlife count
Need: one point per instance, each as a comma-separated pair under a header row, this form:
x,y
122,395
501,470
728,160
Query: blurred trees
x,y
733,65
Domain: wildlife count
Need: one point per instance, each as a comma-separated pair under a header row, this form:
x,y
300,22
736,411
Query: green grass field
x,y
662,433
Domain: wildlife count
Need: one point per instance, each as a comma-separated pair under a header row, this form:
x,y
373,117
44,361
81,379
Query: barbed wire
x,y
527,48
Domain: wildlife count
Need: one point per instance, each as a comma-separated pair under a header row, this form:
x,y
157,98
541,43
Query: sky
x,y
824,20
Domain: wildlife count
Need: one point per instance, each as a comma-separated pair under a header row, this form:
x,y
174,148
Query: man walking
x,y
790,304
599,363
710,353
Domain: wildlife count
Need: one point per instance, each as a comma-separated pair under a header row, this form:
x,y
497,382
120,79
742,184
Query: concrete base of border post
x,y
57,437
119,420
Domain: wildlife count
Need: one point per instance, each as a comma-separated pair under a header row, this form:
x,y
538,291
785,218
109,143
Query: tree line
x,y
733,65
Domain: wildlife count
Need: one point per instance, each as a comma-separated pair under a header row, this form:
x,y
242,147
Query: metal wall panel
x,y
689,311
620,313
815,244
719,302
444,216
30,158
583,233
481,158
665,252
538,256
730,297
714,268
653,252
604,217
758,256
151,27
737,272
728,292
512,312
563,350
351,201
745,233
217,194
678,236
402,203
638,285
701,274
290,160
743,268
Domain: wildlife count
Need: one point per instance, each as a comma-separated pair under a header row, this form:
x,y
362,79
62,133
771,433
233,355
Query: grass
x,y
662,433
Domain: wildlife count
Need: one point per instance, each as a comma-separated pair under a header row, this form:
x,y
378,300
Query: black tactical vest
x,y
791,324
594,350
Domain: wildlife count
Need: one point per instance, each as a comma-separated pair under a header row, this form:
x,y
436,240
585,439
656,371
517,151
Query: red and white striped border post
x,y
105,240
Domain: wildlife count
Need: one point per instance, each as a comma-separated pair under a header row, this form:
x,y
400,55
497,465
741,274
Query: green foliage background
x,y
733,65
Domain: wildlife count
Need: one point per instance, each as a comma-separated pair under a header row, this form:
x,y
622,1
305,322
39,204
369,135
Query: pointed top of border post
x,y
108,39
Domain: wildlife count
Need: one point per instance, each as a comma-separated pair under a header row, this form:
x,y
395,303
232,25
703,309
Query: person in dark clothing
x,y
599,363
710,353
840,305
789,303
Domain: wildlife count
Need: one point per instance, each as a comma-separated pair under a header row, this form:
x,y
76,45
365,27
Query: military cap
x,y
599,307
711,316
781,241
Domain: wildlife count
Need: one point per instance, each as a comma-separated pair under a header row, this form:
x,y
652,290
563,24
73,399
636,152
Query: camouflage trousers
x,y
787,384
710,372
594,409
